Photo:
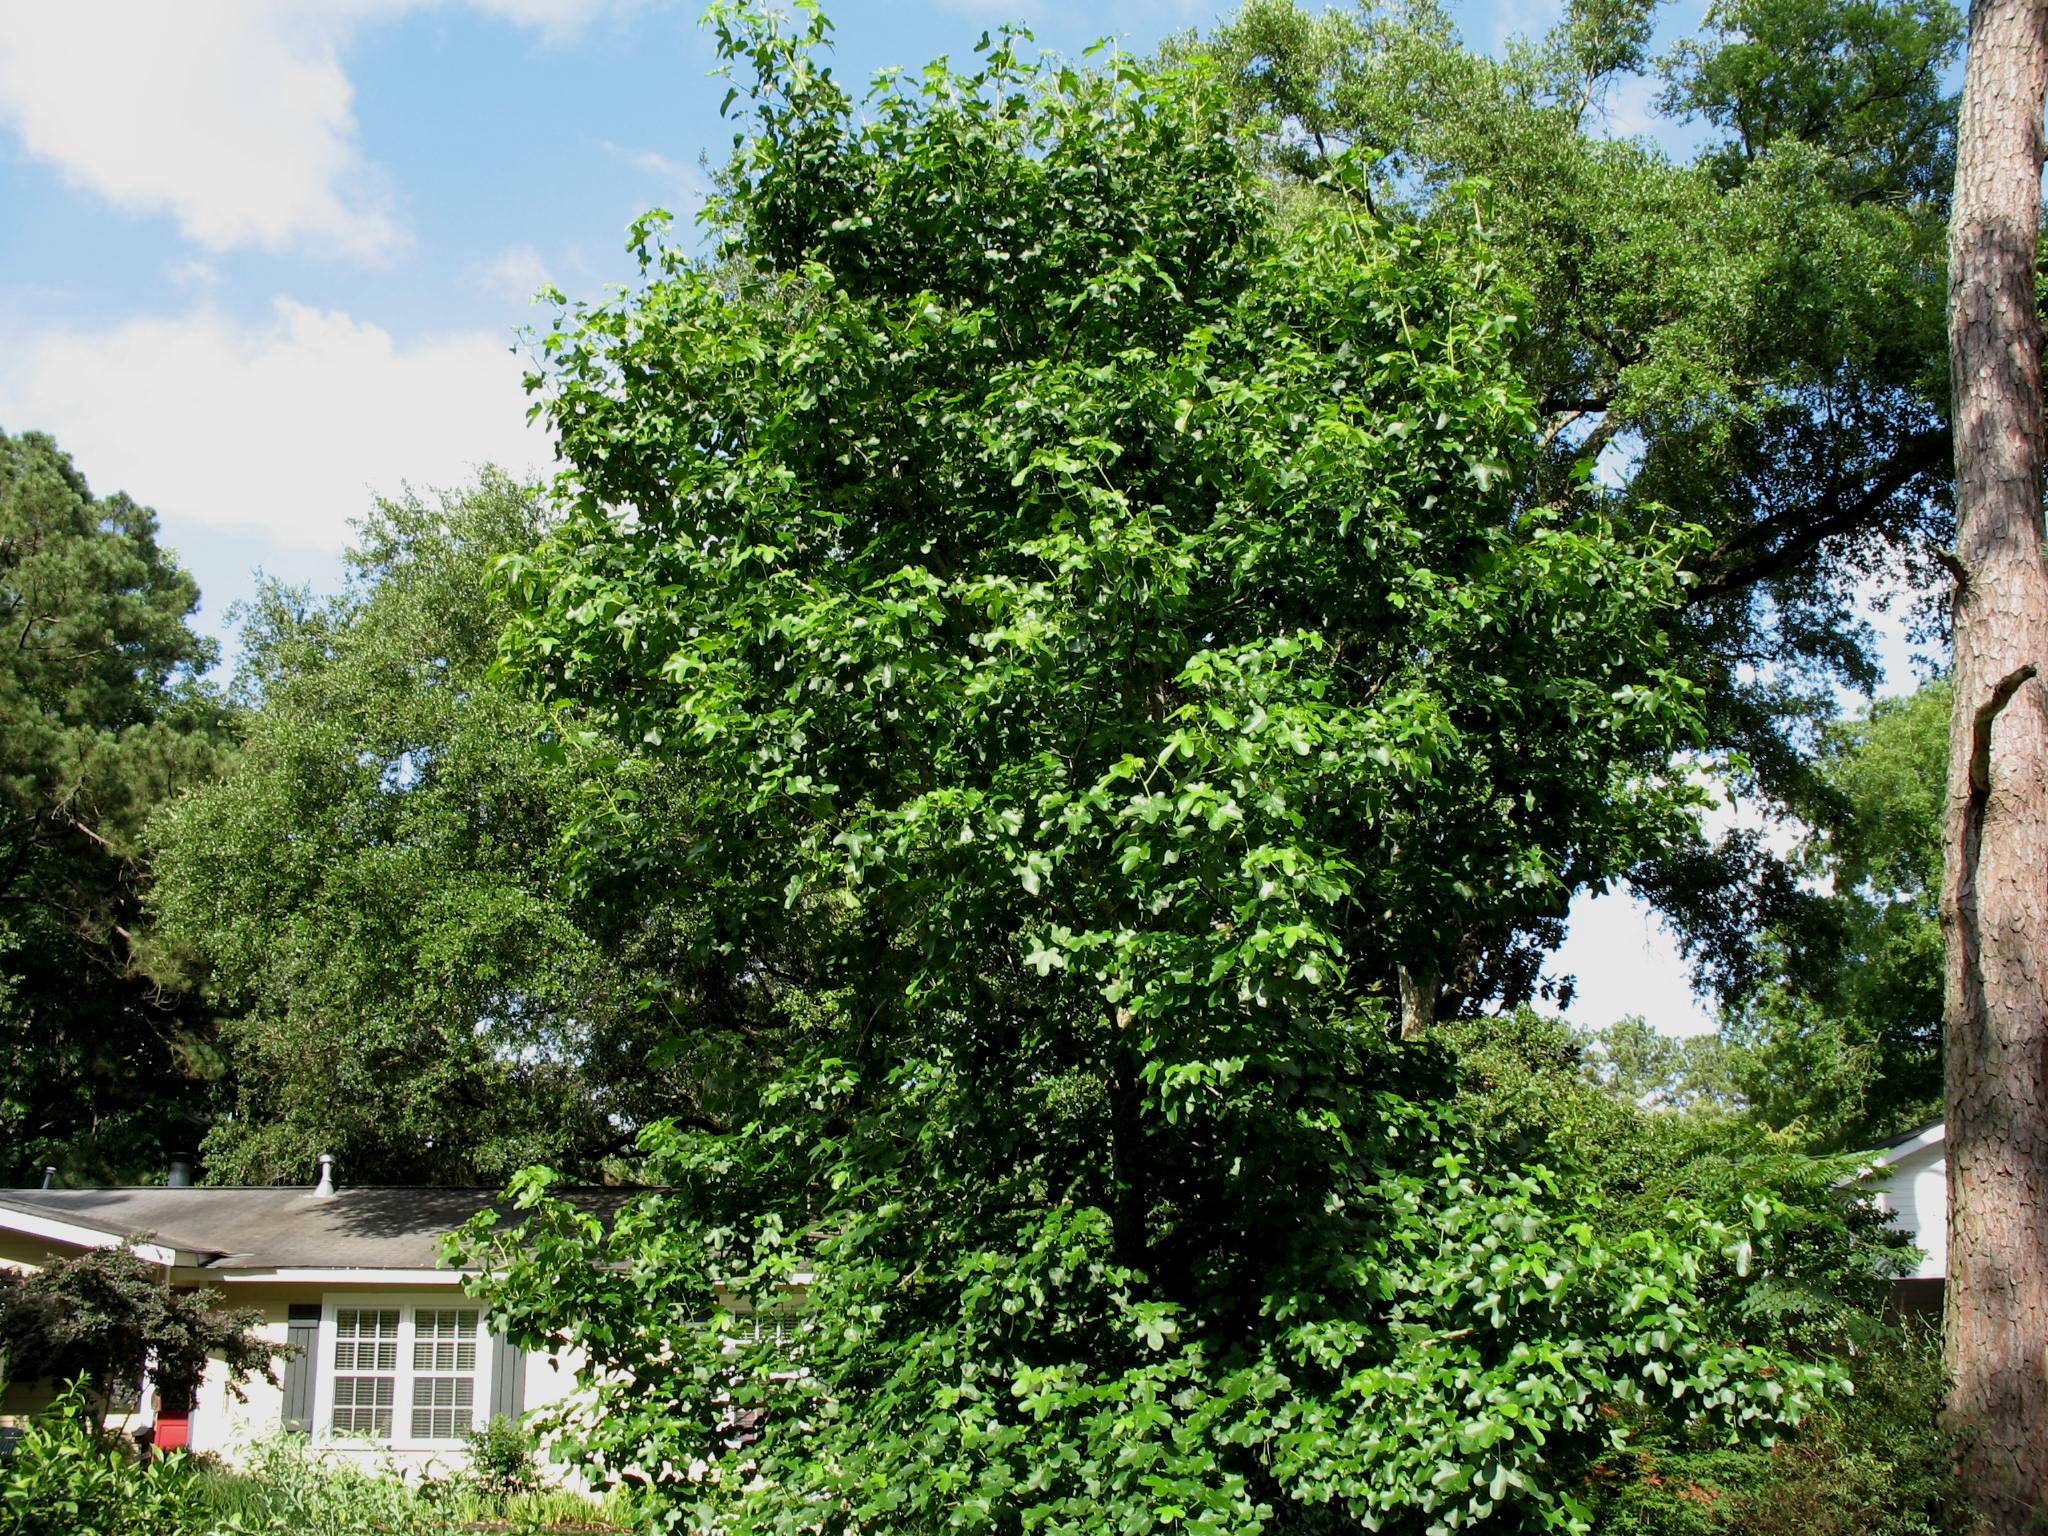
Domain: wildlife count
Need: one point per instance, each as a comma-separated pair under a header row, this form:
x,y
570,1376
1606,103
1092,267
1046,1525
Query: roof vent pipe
x,y
180,1175
49,1174
326,1184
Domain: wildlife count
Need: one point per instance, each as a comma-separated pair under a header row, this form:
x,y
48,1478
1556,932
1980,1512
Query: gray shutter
x,y
508,1378
302,1338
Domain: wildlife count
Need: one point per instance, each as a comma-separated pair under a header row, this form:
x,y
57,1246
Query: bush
x,y
65,1480
1876,1463
501,1460
286,1488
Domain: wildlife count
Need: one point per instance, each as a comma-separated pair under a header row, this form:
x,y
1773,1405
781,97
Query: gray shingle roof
x,y
280,1227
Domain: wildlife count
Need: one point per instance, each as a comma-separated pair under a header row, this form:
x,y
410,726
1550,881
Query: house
x,y
389,1358
1910,1176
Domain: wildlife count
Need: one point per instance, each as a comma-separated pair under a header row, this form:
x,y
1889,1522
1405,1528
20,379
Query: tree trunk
x,y
1994,907
1418,1000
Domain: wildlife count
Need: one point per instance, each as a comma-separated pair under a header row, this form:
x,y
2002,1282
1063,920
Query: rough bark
x,y
1418,1000
1995,881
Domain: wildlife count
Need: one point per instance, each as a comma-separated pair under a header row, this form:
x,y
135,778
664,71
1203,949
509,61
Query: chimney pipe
x,y
326,1184
180,1175
49,1175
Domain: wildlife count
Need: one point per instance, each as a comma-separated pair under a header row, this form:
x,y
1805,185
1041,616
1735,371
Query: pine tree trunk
x,y
1995,881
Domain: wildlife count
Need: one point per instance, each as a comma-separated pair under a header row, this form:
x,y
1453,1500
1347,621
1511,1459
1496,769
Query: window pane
x,y
443,1363
443,1407
365,1363
362,1405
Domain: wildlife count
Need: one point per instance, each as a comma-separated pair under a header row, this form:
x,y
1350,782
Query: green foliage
x,y
1537,1088
64,1481
1878,1463
1467,1368
1842,1035
1636,1063
96,1317
371,894
103,714
288,1489
1861,78
502,1460
1112,629
1755,338
1873,1460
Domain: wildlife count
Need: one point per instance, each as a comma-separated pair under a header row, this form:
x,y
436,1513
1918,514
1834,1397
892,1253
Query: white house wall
x,y
229,1427
1914,1190
224,1426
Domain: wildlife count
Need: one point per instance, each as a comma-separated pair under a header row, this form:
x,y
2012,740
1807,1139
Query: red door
x,y
173,1423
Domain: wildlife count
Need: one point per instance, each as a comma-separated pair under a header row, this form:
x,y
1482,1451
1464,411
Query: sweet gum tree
x,y
1109,627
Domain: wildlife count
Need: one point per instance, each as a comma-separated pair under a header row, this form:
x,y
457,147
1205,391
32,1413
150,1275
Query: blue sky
x,y
263,259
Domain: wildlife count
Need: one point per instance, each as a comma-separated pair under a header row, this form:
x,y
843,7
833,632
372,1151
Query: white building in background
x,y
389,1359
1910,1176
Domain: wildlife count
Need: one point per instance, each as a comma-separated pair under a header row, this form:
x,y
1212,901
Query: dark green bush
x,y
1874,1464
66,1480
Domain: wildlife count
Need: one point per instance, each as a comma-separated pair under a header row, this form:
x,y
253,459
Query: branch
x,y
88,831
1783,540
1980,726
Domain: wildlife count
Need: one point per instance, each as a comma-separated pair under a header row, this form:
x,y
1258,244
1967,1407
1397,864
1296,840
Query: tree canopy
x,y
1121,631
106,713
1754,338
1842,1029
371,894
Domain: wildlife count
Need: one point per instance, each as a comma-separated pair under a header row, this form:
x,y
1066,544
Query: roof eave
x,y
82,1235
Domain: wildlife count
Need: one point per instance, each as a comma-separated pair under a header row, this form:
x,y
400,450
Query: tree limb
x,y
1778,543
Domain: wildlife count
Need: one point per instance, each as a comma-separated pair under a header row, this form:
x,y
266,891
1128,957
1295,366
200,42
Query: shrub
x,y
501,1460
286,1488
95,1318
65,1480
1876,1463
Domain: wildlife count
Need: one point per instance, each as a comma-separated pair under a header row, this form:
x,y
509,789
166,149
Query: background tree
x,y
1753,337
372,894
103,1316
1141,618
104,713
1839,1031
1994,897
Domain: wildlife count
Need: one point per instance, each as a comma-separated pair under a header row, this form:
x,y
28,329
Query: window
x,y
404,1373
365,1370
443,1373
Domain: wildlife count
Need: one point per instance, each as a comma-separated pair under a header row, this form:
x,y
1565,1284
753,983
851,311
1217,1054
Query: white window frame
x,y
408,1305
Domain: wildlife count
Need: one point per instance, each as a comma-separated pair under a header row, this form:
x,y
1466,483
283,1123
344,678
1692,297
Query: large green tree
x,y
372,896
1840,1031
1126,628
104,713
1753,336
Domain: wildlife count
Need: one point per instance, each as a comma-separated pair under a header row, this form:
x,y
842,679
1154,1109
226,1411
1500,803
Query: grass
x,y
289,1492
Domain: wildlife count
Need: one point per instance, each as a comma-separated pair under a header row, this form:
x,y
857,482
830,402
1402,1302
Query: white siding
x,y
1914,1190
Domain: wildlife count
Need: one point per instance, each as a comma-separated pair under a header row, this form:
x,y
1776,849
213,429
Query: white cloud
x,y
235,117
1625,962
514,274
685,186
554,18
195,276
289,426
